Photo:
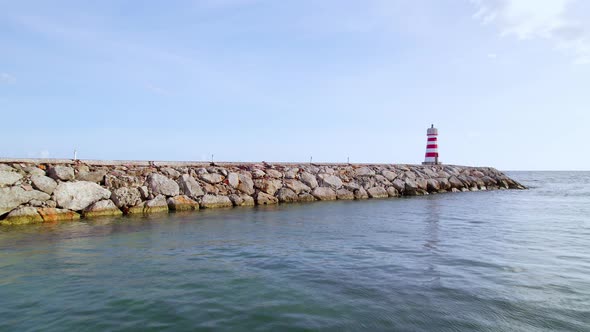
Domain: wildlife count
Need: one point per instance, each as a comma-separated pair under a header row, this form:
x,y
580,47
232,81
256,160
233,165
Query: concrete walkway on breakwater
x,y
44,190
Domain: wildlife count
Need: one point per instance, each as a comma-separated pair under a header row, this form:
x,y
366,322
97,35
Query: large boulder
x,y
241,200
455,182
266,199
12,197
161,185
360,193
344,194
269,186
125,197
432,185
377,192
59,172
213,201
306,197
273,173
113,181
297,186
246,185
190,187
44,183
399,185
332,181
211,178
21,216
97,176
182,203
389,175
309,180
8,178
104,208
156,205
53,214
287,195
411,187
324,193
78,195
233,180
392,192
364,171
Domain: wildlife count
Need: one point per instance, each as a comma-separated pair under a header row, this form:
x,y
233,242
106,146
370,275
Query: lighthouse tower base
x,y
431,163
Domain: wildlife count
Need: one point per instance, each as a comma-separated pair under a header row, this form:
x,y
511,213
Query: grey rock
x,y
246,184
291,173
211,178
392,192
432,185
12,197
389,175
182,203
63,173
364,171
6,168
102,208
97,176
306,197
352,186
170,172
455,182
33,170
190,187
266,199
44,183
344,194
126,197
297,186
324,193
113,181
411,187
273,173
309,179
213,201
159,184
377,192
233,180
399,185
79,195
360,193
258,173
144,192
269,186
287,195
9,178
331,181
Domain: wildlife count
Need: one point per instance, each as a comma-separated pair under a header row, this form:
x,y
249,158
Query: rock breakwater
x,y
34,191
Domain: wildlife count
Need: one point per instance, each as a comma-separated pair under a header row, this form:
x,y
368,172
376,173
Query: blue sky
x,y
507,82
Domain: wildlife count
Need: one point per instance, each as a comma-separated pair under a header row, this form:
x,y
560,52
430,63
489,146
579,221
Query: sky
x,y
506,82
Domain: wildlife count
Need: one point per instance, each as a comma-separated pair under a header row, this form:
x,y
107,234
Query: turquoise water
x,y
481,261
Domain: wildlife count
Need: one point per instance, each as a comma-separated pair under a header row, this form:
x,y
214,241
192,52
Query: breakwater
x,y
33,191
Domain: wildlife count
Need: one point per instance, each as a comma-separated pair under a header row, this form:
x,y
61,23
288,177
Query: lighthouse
x,y
431,157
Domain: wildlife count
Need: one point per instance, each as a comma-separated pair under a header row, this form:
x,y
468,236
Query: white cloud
x,y
6,78
557,21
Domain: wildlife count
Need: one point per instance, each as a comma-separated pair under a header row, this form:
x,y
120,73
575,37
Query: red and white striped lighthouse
x,y
431,157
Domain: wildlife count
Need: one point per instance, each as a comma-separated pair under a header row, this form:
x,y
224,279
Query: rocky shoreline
x,y
35,191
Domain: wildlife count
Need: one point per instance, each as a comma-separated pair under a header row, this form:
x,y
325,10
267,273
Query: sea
x,y
506,260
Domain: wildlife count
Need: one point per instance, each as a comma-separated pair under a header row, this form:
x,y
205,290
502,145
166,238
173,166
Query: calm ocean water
x,y
482,261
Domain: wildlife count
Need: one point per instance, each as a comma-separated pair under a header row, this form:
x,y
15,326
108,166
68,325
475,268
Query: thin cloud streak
x,y
553,21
